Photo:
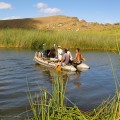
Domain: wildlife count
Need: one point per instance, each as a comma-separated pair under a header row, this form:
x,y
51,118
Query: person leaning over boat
x,y
59,53
52,53
78,57
65,58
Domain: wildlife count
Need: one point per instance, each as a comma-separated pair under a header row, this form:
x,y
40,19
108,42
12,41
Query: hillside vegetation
x,y
62,30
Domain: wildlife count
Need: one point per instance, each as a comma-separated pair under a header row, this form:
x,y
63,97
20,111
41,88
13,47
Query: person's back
x,y
65,58
78,57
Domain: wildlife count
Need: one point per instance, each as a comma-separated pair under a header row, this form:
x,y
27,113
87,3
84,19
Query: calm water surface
x,y
87,89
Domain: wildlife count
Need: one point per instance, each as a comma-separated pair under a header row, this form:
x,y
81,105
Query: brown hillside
x,y
54,23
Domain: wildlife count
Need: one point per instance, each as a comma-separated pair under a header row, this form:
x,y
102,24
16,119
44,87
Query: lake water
x,y
87,89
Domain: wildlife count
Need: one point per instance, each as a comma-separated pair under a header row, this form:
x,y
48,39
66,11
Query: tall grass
x,y
52,106
34,39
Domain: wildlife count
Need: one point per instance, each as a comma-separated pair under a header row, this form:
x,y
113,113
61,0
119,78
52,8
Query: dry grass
x,y
57,23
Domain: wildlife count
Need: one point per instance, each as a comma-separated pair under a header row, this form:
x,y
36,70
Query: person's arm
x,y
55,54
82,58
49,53
71,57
63,59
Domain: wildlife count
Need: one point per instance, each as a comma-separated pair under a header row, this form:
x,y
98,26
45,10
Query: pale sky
x,y
102,11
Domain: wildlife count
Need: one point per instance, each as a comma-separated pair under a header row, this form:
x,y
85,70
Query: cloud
x,y
41,5
12,17
4,5
45,10
51,11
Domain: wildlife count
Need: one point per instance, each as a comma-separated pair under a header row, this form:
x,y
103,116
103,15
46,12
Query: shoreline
x,y
82,49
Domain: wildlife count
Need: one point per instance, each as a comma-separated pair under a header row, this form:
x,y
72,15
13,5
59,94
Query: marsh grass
x,y
109,109
51,106
86,40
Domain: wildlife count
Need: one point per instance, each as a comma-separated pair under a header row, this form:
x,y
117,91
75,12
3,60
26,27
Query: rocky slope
x,y
56,23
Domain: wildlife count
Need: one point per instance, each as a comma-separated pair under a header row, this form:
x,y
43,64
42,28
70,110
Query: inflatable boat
x,y
52,62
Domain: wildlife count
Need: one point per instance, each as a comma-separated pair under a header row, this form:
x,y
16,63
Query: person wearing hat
x,y
59,53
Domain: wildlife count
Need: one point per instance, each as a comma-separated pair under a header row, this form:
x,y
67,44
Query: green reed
x,y
86,40
51,106
109,109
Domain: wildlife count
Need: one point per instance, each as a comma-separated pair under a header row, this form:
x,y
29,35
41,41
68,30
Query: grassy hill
x,y
56,23
66,31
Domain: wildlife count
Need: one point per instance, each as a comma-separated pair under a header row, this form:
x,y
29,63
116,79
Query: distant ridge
x,y
55,23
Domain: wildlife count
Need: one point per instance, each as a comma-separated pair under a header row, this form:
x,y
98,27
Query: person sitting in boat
x,y
78,57
65,58
38,54
52,53
59,53
69,53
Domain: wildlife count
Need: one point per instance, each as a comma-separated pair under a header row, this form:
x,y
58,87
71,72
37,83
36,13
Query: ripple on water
x,y
88,91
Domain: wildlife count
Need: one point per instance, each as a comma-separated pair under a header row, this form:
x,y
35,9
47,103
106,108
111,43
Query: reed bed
x,y
52,106
86,40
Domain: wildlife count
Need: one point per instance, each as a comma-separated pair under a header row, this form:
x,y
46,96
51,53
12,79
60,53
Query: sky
x,y
102,11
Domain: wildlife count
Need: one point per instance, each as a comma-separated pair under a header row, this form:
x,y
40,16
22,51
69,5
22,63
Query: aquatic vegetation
x,y
86,40
109,109
52,106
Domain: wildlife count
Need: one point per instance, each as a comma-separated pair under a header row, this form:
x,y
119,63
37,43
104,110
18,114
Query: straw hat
x,y
59,47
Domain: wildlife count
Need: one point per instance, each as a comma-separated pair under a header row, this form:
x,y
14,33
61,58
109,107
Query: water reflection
x,y
86,89
66,75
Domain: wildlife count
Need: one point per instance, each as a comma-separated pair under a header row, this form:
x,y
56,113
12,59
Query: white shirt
x,y
59,53
69,53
